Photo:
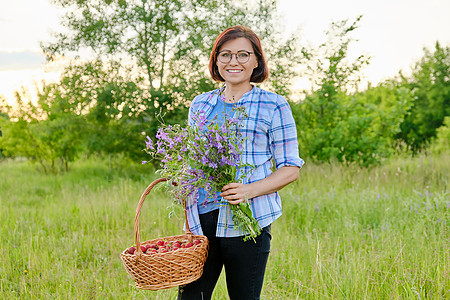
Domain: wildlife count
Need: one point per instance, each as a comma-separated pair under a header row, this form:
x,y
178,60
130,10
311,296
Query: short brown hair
x,y
260,73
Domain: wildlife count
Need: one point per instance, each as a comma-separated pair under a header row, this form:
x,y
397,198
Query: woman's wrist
x,y
274,182
254,189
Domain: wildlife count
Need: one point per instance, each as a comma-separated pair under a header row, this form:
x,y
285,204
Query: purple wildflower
x,y
149,143
170,143
161,134
178,139
200,119
225,161
233,120
144,162
224,129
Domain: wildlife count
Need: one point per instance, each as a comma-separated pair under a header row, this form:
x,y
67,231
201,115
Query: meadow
x,y
346,233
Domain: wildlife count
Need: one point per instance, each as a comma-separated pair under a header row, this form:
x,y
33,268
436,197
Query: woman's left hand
x,y
236,193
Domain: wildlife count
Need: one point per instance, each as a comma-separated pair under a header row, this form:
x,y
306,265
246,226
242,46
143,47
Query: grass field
x,y
346,232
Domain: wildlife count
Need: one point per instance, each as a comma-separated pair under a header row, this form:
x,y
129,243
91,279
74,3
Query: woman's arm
x,y
238,192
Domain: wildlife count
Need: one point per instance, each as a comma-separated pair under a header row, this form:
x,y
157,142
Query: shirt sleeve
x,y
283,136
192,111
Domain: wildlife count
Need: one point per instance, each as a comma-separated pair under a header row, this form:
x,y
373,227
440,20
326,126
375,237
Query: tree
x,y
4,118
336,122
441,143
43,132
430,85
110,105
169,41
323,111
150,58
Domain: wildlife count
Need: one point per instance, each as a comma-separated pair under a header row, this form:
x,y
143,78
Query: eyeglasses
x,y
242,56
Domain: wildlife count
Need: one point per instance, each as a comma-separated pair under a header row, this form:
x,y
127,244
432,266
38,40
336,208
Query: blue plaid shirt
x,y
270,134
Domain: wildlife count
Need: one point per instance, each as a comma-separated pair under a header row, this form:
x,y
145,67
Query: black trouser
x,y
245,264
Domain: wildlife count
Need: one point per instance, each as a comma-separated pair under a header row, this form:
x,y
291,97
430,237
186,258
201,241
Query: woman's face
x,y
237,72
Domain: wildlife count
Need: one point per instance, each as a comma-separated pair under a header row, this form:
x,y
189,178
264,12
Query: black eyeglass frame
x,y
235,54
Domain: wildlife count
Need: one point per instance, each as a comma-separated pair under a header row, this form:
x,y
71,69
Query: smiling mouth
x,y
234,71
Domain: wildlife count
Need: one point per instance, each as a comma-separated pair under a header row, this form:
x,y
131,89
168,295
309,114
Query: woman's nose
x,y
234,59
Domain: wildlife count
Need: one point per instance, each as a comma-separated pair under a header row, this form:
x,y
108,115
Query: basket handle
x,y
138,214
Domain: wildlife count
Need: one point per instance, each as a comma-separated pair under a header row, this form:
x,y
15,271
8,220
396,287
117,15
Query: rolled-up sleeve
x,y
283,136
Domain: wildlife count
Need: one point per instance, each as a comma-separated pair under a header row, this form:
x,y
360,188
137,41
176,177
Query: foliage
x,y
147,57
361,127
46,134
143,58
329,67
430,86
332,122
441,143
4,118
95,109
112,104
168,41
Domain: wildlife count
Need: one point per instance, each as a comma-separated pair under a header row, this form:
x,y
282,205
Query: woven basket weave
x,y
165,270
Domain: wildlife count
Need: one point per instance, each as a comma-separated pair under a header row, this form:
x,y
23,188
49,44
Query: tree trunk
x,y
161,74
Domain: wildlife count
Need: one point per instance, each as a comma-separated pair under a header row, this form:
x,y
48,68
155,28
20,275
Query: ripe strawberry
x,y
162,250
143,248
131,250
189,245
160,243
196,242
153,246
154,251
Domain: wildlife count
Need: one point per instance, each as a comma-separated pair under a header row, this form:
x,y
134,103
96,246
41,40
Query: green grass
x,y
346,232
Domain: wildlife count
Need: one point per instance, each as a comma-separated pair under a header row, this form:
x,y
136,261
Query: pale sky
x,y
392,32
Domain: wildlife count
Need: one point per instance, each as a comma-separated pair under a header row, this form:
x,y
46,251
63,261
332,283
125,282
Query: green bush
x,y
442,141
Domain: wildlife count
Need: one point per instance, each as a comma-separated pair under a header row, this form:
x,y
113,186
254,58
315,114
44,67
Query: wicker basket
x,y
165,270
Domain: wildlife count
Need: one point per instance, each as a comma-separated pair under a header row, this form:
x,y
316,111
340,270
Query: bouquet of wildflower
x,y
206,156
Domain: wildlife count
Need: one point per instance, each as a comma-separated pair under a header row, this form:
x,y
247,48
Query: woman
x,y
237,60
